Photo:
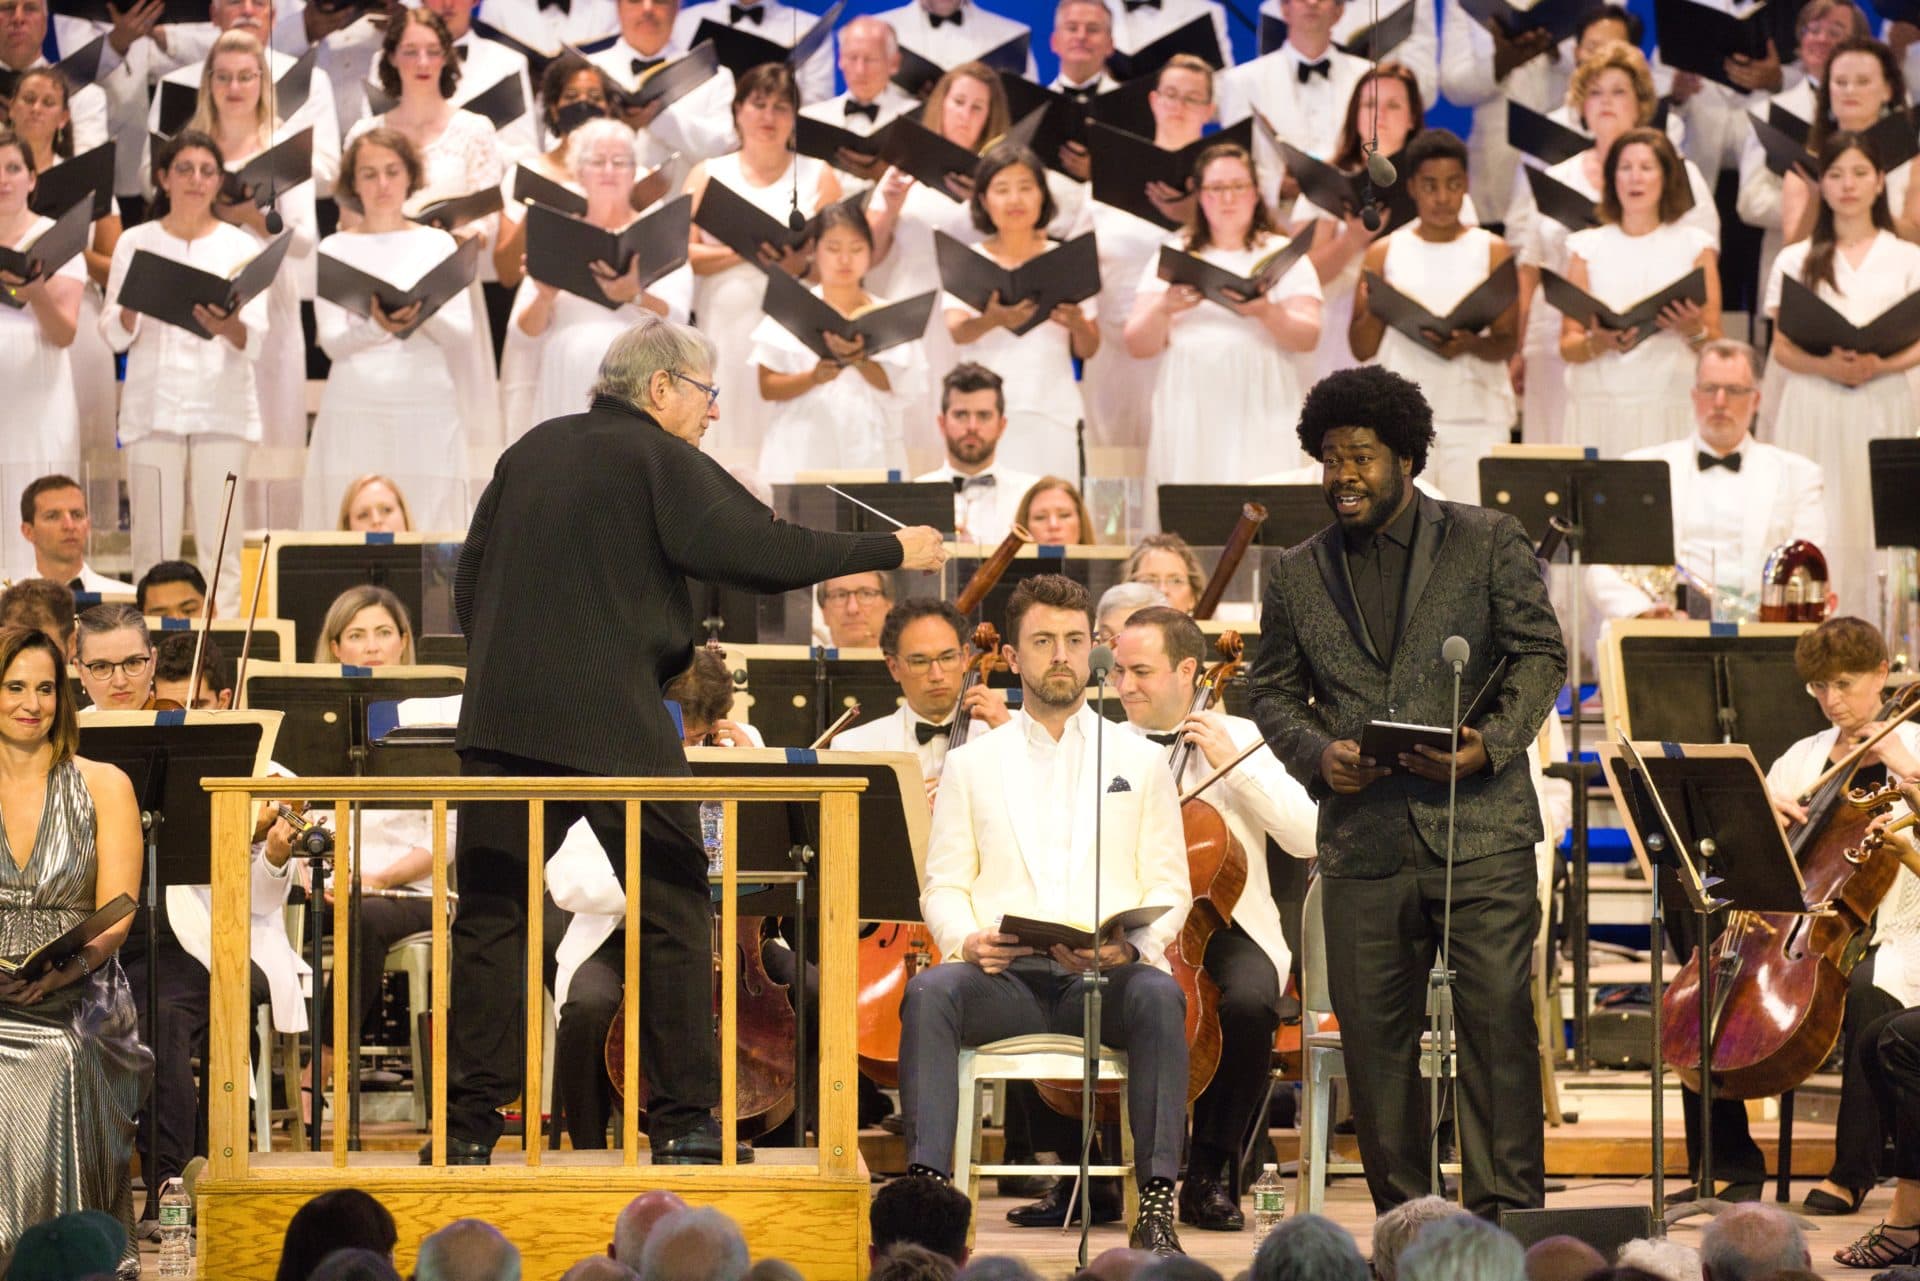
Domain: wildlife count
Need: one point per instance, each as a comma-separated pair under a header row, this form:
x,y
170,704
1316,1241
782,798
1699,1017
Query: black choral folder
x,y
355,290
531,187
49,251
926,156
168,290
669,82
1124,163
291,90
918,73
501,103
1640,319
1696,38
1783,151
823,140
272,173
1218,284
458,211
1344,194
1066,273
1196,37
743,226
1560,19
1541,136
559,248
1556,200
88,176
58,951
1484,304
79,69
807,316
1816,328
740,50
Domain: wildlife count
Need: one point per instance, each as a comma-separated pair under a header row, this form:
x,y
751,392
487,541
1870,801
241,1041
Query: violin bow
x,y
253,616
1854,757
1224,770
846,718
213,589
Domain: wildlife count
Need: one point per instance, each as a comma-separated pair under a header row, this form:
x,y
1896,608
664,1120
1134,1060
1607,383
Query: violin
x,y
984,659
1780,980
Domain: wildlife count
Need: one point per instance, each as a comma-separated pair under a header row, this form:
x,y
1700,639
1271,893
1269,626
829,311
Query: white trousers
x,y
163,472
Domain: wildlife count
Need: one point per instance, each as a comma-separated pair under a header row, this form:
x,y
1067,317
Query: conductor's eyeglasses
x,y
713,392
134,665
918,664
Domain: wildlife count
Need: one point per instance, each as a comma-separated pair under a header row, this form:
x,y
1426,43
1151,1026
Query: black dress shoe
x,y
1154,1231
1206,1203
1050,1211
698,1147
459,1152
1732,1192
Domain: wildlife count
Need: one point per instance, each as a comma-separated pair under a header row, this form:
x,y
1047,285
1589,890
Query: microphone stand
x,y
1439,1056
1092,981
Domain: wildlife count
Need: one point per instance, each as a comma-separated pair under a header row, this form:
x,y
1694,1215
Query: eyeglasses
x,y
1841,685
1225,188
1712,391
224,79
134,666
1162,581
606,162
919,664
1193,100
864,595
712,390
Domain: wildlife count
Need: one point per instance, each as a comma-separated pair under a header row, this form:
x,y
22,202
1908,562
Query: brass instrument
x,y
1794,584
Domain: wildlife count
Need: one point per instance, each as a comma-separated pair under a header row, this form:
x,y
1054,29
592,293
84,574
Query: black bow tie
x,y
564,6
1322,68
461,51
1142,4
926,731
971,482
77,585
755,12
643,65
940,20
1708,462
871,110
1165,740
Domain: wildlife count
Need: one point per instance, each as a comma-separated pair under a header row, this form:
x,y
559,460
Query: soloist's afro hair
x,y
1369,397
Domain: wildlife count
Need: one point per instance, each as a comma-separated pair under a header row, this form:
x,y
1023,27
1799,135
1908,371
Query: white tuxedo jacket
x,y
984,856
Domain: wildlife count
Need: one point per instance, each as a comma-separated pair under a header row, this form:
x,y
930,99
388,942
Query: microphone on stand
x,y
1453,651
1099,667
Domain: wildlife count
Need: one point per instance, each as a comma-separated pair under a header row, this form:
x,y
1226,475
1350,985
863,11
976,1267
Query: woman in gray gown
x,y
72,1069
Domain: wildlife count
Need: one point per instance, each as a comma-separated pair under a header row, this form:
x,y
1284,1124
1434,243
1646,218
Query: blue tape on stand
x,y
378,539
1723,629
1672,751
802,756
170,718
175,624
347,669
1050,553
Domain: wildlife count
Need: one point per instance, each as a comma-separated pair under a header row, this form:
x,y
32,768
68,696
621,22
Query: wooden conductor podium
x,y
805,1205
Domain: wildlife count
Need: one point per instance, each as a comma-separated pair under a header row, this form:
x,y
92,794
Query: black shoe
x,y
1153,1231
698,1147
1025,1187
1828,1205
1732,1192
459,1152
1050,1211
1206,1203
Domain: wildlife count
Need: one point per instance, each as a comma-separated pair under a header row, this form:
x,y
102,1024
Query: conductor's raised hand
x,y
1435,765
992,951
1346,770
921,547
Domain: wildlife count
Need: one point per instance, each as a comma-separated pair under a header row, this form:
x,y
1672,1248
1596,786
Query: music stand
x,y
272,637
909,502
1616,512
1094,568
165,755
310,570
797,691
1685,804
1205,515
1894,465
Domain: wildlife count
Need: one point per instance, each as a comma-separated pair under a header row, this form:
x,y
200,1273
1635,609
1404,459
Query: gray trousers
x,y
947,1007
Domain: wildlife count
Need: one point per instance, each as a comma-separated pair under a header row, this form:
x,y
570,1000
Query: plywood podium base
x,y
556,1213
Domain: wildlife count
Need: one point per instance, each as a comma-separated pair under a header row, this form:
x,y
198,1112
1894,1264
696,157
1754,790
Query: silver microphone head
x,y
1100,662
1381,170
1455,650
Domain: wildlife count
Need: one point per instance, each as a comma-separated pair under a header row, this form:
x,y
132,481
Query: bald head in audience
x,y
467,1250
698,1244
1750,1242
636,1222
1117,1264
774,1270
1562,1258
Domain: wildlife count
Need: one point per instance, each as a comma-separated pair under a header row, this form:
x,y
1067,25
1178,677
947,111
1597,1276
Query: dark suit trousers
x,y
957,1004
1382,939
1249,1016
580,1043
1895,1077
486,1042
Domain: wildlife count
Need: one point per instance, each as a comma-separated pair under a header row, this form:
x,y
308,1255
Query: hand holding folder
x,y
812,320
400,312
46,253
1227,288
1634,325
197,301
1819,330
574,255
1483,305
1068,273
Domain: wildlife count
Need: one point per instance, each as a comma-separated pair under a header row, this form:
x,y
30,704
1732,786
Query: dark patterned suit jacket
x,y
1320,677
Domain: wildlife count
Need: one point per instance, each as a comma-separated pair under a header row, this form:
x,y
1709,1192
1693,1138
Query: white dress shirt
x,y
1134,29
484,64
898,733
697,127
1418,53
781,23
978,33
91,580
547,27
1305,114
892,101
987,501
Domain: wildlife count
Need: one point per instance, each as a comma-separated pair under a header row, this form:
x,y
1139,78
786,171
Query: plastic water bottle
x,y
1269,1202
176,1230
713,835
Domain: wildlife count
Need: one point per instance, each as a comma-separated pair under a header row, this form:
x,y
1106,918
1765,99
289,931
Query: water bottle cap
x,y
1270,1168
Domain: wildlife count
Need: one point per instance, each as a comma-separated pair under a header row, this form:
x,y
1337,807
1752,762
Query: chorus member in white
x,y
1832,405
23,46
869,59
1082,38
1622,396
1613,91
1484,72
1055,514
484,64
1137,25
843,412
392,404
1247,365
235,110
189,412
1863,84
1437,260
573,332
1011,208
43,125
57,528
700,125
36,330
1715,114
973,418
1735,499
1419,52
948,33
374,505
1606,25
348,41
783,24
548,27
1118,386
766,173
572,92
1301,88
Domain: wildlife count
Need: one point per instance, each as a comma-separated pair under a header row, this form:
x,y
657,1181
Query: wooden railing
x,y
235,801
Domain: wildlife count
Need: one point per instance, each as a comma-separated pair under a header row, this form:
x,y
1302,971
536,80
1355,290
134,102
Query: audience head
x,y
1463,1248
1083,37
1230,212
373,504
1166,562
905,1261
1821,26
173,672
1308,1247
467,1250
1121,1263
1177,1267
1555,1258
77,1244
366,626
343,1219
854,607
114,652
172,589
997,1267
1055,514
869,57
599,1267
637,1220
1752,1241
647,25
1048,641
967,106
39,116
925,643
1726,392
665,371
572,92
355,1265
774,1270
1010,191
418,52
697,1244
1399,1226
1385,107
1182,99
1371,430
705,694
1669,1260
1436,177
53,517
1119,603
766,102
1611,91
973,414
1864,81
43,604
378,171
922,1212
187,172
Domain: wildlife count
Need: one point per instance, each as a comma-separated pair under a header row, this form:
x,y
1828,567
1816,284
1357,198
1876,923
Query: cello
x,y
1780,981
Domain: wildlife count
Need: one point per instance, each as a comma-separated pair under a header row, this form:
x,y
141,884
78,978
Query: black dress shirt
x,y
1377,562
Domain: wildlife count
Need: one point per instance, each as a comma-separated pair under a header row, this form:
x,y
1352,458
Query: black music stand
x,y
1616,512
1700,685
308,576
1894,465
909,502
1689,807
165,760
266,643
1094,574
1205,515
795,699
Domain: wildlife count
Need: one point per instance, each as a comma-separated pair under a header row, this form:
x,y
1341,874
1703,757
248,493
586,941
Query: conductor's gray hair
x,y
467,1250
1750,1241
1397,1228
651,346
700,1244
1463,1249
1308,1247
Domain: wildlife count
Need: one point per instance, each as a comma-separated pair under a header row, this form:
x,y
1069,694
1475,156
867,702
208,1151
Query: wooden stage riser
x,y
554,1222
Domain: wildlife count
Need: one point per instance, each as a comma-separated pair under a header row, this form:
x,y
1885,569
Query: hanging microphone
x,y
1456,651
1370,210
1380,170
1100,662
275,223
795,223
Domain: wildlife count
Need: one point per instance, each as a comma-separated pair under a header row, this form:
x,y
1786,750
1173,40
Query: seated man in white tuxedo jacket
x,y
1013,833
1734,498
